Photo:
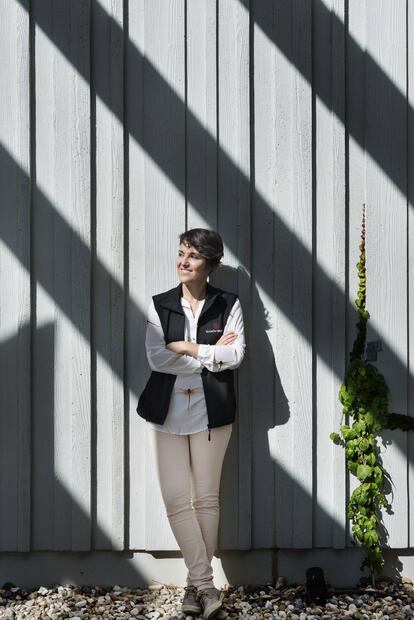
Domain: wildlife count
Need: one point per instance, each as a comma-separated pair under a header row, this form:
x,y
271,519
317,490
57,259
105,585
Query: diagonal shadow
x,y
372,141
165,95
196,198
73,534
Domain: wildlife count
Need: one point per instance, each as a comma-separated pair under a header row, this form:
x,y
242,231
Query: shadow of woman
x,y
250,472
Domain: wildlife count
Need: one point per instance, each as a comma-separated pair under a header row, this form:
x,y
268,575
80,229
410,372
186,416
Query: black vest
x,y
219,391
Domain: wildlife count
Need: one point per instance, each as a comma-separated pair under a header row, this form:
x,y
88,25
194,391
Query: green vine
x,y
364,396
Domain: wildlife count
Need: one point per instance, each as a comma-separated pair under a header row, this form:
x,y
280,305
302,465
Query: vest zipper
x,y
209,430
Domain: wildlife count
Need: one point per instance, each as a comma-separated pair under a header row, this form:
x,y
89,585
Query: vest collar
x,y
172,298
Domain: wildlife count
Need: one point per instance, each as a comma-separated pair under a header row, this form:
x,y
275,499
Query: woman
x,y
194,342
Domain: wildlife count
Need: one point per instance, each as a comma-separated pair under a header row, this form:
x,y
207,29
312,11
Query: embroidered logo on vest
x,y
216,328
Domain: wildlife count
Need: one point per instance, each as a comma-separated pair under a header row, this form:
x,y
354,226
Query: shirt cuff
x,y
224,353
206,353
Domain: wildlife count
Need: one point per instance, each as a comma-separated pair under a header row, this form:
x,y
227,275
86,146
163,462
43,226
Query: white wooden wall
x,y
122,124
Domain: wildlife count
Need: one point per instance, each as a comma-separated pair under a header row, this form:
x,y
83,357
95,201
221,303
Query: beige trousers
x,y
189,471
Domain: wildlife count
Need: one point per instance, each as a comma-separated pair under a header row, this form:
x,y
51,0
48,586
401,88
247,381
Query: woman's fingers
x,y
227,338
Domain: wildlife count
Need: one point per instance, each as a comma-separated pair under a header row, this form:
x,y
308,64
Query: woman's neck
x,y
194,291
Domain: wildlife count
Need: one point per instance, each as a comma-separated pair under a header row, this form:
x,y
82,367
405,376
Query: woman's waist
x,y
185,382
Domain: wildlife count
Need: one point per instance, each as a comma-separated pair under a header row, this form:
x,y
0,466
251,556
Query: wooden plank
x,y
292,444
137,366
62,392
234,226
107,63
263,315
410,182
329,277
387,235
15,312
201,114
164,139
356,180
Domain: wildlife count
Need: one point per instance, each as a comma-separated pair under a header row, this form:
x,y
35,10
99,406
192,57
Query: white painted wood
x,y
234,226
329,276
109,282
292,440
137,365
386,127
263,372
410,184
201,114
356,182
61,449
15,488
191,166
164,140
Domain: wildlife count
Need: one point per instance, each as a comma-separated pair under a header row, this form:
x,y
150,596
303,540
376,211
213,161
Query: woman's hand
x,y
182,347
227,338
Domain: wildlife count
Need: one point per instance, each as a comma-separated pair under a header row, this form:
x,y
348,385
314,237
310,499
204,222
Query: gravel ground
x,y
390,599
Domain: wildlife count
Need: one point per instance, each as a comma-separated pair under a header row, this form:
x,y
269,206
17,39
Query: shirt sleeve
x,y
159,357
220,357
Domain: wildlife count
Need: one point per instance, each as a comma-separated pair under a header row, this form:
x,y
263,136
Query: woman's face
x,y
191,267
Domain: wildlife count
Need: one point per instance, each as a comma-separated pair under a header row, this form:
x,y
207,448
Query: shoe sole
x,y
191,608
213,608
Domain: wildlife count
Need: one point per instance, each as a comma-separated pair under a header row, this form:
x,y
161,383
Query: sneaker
x,y
211,600
190,603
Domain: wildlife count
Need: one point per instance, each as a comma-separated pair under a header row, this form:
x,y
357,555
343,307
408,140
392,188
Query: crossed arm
x,y
184,357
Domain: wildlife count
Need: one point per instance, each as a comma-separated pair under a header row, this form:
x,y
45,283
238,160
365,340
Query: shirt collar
x,y
172,298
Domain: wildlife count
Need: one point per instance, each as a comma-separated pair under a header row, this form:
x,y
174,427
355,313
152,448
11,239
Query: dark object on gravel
x,y
316,589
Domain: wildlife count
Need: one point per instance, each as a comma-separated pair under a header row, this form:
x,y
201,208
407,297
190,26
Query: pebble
x,y
393,600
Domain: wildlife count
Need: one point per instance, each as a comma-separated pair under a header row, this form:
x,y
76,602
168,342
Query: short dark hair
x,y
208,244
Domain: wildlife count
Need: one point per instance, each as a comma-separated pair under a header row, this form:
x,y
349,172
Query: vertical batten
x,y
293,446
217,100
164,140
410,254
137,300
330,302
107,67
201,114
355,95
386,130
15,422
61,220
264,373
234,226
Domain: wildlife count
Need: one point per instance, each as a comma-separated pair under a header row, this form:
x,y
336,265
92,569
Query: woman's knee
x,y
176,499
208,499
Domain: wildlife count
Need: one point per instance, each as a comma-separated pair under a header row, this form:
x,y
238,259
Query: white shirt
x,y
187,412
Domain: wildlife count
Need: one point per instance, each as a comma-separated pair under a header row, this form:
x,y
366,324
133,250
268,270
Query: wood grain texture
x,y
387,238
137,365
234,226
15,312
263,315
107,68
227,115
164,137
61,228
329,276
410,267
293,280
355,98
201,114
